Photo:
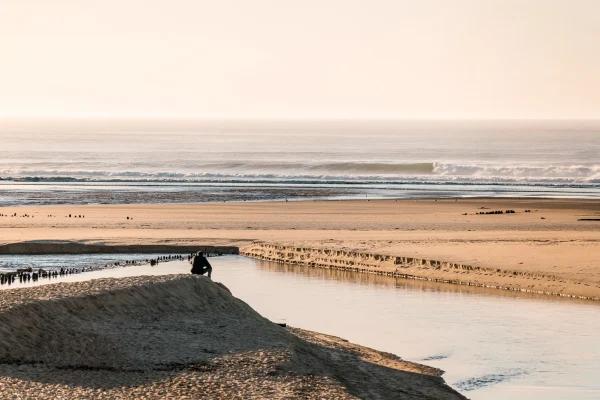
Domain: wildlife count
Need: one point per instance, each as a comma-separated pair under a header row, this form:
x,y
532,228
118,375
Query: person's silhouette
x,y
200,265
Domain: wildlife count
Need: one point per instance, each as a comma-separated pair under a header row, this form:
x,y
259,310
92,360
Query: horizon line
x,y
242,118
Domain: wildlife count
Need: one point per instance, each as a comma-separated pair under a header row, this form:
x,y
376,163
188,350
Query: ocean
x,y
138,161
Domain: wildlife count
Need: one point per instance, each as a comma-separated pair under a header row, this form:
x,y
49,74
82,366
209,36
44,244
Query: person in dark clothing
x,y
200,265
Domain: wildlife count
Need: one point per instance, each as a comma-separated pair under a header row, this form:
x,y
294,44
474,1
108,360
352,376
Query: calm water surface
x,y
52,262
492,345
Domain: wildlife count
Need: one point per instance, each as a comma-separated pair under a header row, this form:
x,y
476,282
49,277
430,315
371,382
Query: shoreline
x,y
544,251
307,199
23,194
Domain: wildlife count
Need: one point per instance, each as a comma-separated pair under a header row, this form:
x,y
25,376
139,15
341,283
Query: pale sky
x,y
305,58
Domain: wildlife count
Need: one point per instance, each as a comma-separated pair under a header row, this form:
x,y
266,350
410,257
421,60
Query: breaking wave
x,y
323,172
582,172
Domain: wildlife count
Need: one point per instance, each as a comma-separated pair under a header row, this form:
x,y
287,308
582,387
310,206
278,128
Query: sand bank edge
x,y
395,266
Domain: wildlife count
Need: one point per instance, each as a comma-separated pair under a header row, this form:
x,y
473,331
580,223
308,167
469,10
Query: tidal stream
x,y
492,344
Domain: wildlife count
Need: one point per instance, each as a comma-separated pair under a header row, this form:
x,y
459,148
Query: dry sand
x,y
546,250
182,337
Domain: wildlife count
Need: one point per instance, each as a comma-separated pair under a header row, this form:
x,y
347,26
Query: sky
x,y
419,59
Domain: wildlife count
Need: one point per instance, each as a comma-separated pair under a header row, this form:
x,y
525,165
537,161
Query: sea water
x,y
95,161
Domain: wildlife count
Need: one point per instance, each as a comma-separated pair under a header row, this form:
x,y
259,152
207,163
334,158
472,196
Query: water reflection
x,y
404,284
492,344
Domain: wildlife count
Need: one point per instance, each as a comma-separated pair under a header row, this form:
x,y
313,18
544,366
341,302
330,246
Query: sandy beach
x,y
115,338
182,337
553,248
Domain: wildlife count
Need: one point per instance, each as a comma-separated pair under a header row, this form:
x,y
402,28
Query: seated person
x,y
200,265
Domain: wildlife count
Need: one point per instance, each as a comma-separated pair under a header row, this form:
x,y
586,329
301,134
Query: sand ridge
x,y
420,269
182,336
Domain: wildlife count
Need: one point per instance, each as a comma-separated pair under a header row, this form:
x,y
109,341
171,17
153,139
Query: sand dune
x,y
182,337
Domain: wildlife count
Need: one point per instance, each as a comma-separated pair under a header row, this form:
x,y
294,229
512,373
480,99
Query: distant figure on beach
x,y
200,265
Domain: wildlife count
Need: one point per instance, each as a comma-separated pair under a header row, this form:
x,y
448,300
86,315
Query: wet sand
x,y
554,248
182,336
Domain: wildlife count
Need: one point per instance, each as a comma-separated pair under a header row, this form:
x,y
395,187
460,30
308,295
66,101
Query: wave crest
x,y
518,171
288,172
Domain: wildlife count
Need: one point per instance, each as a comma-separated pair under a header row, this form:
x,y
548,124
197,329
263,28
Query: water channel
x,y
492,344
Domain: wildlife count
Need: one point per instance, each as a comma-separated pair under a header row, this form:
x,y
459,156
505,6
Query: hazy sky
x,y
305,58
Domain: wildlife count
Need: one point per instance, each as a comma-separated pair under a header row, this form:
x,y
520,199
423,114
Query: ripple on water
x,y
435,357
489,379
